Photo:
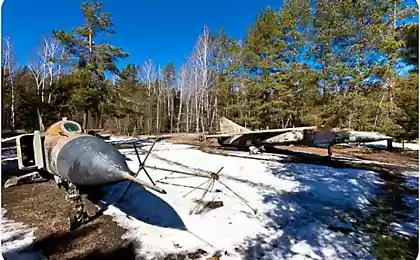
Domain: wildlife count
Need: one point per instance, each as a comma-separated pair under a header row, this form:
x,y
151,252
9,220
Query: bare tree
x,y
204,81
148,76
36,69
196,93
182,82
46,70
203,61
158,96
52,53
196,87
9,62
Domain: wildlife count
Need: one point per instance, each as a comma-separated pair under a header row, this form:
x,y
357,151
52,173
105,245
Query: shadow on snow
x,y
139,203
339,213
336,212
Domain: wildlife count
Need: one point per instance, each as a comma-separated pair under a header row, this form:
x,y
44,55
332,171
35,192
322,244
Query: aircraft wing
x,y
264,136
9,139
280,130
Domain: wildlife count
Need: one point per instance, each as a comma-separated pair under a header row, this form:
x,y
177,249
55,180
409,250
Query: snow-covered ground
x,y
303,211
16,240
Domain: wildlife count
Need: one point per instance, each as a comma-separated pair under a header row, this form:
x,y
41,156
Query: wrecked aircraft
x,y
74,159
234,135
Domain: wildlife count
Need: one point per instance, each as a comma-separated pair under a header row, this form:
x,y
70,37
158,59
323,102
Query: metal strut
x,y
211,177
142,167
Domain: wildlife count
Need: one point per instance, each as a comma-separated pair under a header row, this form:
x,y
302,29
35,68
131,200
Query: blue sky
x,y
162,30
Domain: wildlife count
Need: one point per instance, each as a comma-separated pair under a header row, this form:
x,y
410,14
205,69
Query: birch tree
x,y
8,64
182,82
204,80
53,56
158,97
37,69
148,76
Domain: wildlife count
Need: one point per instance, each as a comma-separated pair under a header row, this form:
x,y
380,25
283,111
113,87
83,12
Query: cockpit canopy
x,y
64,127
71,126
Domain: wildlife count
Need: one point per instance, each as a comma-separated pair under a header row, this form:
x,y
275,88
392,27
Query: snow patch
x,y
302,210
16,239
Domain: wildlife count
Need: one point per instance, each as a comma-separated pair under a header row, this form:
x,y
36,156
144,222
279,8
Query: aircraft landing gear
x,y
81,216
254,150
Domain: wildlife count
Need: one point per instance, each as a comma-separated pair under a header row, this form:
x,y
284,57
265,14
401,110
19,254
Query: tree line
x,y
312,62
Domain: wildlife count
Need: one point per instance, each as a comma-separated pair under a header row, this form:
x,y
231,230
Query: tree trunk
x,y
157,115
179,113
41,125
100,121
134,129
202,117
172,112
378,112
84,122
188,117
197,116
12,106
149,116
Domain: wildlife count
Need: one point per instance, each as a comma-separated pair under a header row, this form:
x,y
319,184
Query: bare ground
x,y
43,206
397,156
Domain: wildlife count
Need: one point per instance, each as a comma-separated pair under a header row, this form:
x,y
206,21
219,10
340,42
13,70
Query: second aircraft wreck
x,y
234,135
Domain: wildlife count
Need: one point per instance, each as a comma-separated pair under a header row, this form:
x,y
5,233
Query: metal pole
x,y
206,175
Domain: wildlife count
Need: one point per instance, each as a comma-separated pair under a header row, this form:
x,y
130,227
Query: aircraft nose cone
x,y
88,160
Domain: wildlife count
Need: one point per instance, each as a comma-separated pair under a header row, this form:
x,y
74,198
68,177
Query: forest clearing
x,y
293,137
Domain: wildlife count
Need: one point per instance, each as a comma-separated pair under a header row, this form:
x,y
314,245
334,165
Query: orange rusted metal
x,y
56,137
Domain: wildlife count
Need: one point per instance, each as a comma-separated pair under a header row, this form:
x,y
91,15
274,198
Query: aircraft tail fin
x,y
228,126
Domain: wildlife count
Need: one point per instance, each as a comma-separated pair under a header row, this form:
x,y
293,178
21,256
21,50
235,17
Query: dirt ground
x,y
43,206
397,156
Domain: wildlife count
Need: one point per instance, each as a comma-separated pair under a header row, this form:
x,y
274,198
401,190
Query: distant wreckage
x,y
234,135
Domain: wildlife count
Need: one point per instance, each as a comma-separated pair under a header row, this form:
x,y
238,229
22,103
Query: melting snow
x,y
299,208
303,211
16,239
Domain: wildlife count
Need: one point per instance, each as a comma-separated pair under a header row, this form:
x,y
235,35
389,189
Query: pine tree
x,y
90,58
295,20
264,62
